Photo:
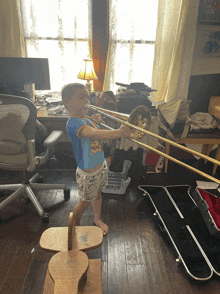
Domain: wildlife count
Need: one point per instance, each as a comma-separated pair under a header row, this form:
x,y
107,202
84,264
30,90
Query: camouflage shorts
x,y
89,184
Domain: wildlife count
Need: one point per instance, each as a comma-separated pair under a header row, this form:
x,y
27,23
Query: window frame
x,y
99,38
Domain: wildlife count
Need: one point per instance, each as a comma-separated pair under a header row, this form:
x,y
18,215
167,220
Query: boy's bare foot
x,y
102,226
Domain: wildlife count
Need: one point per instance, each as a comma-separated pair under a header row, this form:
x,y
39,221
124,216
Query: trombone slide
x,y
123,120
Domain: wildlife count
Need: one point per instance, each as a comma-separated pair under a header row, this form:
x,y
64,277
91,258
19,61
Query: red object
x,y
214,205
152,159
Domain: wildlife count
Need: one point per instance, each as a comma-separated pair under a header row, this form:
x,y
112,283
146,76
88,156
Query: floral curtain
x,y
11,34
131,46
57,30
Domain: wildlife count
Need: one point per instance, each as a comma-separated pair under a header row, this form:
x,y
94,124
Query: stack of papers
x,y
53,100
207,185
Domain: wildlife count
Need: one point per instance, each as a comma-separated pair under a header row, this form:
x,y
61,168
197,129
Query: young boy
x,y
85,136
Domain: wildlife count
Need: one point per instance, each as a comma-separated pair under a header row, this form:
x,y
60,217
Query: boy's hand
x,y
125,131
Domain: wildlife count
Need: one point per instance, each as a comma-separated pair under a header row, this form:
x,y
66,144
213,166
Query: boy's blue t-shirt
x,y
88,153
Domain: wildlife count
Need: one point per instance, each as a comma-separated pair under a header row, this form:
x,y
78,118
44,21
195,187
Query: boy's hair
x,y
68,90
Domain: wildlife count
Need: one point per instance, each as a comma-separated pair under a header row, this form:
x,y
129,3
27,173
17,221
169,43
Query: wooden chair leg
x,y
167,150
217,157
206,150
209,147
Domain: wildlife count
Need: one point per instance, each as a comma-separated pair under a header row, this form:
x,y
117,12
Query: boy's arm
x,y
91,133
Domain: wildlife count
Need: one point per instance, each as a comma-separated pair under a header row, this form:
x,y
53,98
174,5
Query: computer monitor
x,y
17,71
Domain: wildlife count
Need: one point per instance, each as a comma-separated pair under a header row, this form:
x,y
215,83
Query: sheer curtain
x,y
176,32
131,46
11,34
57,30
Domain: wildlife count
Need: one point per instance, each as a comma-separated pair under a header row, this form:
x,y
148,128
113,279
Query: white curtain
x,y
11,34
175,39
131,46
57,30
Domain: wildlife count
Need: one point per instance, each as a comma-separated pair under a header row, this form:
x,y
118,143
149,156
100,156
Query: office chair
x,y
17,150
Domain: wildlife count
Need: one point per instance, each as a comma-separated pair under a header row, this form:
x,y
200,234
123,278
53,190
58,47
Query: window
x,y
57,30
132,38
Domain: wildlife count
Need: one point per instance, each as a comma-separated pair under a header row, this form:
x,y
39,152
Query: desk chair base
x,y
27,187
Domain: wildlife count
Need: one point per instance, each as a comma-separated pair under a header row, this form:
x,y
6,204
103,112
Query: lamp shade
x,y
87,72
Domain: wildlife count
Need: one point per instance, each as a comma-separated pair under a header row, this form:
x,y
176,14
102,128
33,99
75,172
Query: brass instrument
x,y
142,124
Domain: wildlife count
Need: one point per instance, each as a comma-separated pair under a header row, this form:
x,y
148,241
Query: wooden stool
x,y
71,237
93,284
70,270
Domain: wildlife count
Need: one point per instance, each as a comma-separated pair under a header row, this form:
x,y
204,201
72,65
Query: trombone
x,y
142,128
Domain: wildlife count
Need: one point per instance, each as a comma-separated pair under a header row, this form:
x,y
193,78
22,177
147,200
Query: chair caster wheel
x,y
40,180
66,194
45,218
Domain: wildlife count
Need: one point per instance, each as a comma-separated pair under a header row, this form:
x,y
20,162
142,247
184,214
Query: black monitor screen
x,y
18,71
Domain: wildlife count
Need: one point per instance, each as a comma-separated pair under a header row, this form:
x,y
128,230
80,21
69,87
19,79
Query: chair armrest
x,y
53,138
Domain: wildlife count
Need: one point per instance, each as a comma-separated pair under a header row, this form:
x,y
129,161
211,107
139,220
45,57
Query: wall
x,y
202,64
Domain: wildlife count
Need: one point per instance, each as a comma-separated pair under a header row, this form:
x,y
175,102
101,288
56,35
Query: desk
x,y
206,140
53,122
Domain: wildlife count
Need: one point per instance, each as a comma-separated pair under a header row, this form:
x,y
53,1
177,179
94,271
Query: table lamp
x,y
87,73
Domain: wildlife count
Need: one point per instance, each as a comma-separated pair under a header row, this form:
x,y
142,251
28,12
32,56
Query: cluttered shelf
x,y
52,114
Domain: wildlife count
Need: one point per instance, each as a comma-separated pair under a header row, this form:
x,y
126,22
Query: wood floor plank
x,y
101,252
34,281
133,247
115,214
148,235
157,275
138,281
132,236
59,217
12,285
6,261
15,259
47,197
22,259
211,286
179,283
2,243
104,277
117,269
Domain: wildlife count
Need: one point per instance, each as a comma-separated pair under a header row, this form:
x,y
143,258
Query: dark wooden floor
x,y
135,257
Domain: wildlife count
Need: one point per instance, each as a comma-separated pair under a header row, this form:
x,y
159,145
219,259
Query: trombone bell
x,y
140,117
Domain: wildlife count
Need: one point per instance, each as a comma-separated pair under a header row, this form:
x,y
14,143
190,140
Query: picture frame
x,y
209,41
209,12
